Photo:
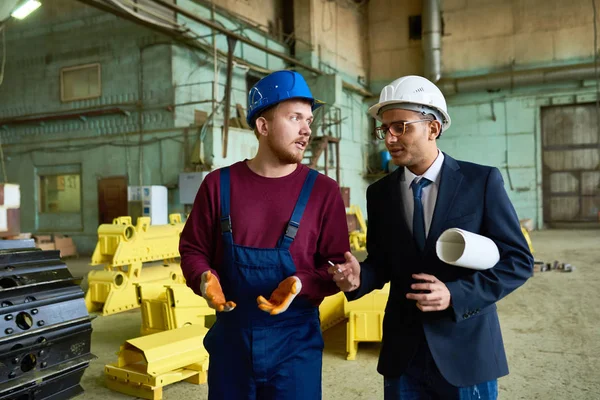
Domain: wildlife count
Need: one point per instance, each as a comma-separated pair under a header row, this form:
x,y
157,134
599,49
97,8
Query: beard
x,y
284,154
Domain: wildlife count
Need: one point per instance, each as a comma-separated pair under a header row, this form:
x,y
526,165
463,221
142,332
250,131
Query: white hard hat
x,y
413,91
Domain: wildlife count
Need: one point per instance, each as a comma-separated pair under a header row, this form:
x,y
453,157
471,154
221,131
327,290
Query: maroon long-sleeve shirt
x,y
260,210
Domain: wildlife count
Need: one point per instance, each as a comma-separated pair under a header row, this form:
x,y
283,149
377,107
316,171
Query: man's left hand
x,y
282,297
438,298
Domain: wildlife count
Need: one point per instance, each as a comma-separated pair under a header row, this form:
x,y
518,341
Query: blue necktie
x,y
418,218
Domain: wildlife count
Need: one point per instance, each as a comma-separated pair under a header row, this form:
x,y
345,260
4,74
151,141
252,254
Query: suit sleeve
x,y
469,295
373,273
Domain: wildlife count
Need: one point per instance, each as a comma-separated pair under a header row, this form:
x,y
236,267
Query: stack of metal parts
x,y
45,329
123,249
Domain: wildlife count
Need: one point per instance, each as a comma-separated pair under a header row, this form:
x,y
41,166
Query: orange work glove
x,y
282,297
213,293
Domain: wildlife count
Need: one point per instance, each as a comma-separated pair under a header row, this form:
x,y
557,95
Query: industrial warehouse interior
x,y
119,118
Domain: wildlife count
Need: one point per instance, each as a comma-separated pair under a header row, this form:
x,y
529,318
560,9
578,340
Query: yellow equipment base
x,y
364,317
147,364
128,380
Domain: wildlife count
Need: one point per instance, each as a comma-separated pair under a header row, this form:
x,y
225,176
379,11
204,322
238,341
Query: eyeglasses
x,y
396,129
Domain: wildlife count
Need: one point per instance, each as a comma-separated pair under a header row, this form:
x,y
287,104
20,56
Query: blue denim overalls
x,y
255,355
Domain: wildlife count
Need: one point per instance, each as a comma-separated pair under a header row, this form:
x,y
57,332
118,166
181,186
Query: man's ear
x,y
435,128
261,126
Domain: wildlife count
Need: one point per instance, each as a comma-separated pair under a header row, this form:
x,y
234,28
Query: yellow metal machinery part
x,y
147,364
170,306
364,317
527,238
358,237
331,310
122,248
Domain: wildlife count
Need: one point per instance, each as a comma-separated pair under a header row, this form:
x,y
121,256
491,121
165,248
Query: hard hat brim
x,y
374,110
315,104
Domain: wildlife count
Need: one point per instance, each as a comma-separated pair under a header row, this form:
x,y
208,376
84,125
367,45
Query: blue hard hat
x,y
275,88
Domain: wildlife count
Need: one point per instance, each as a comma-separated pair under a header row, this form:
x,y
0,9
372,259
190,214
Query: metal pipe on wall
x,y
231,42
432,40
515,79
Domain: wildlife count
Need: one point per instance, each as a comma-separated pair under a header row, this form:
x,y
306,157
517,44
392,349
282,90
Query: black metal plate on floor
x,y
45,328
36,353
33,310
31,267
59,383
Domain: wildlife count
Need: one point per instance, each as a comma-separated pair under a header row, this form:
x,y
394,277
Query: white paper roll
x,y
466,249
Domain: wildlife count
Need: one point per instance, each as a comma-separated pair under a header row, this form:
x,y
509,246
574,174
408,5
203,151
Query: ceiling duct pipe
x,y
432,40
515,79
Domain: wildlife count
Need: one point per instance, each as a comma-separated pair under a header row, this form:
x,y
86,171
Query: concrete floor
x,y
551,330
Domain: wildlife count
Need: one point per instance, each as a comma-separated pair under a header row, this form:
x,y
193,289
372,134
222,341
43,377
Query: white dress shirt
x,y
428,196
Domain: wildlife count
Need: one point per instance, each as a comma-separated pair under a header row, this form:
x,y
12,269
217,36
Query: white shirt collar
x,y
433,172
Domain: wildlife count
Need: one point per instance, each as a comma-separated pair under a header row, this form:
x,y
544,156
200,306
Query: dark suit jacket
x,y
465,340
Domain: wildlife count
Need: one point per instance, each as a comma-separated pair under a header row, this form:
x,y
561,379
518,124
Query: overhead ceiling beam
x,y
193,43
289,59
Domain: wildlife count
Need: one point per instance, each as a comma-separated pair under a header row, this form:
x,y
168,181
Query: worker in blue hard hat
x,y
256,246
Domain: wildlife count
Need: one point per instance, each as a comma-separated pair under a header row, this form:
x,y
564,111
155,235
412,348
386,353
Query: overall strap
x,y
292,227
225,213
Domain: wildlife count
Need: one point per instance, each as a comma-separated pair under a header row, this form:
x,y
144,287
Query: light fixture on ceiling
x,y
27,8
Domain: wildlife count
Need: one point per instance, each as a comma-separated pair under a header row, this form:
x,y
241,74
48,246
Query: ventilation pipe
x,y
515,79
432,40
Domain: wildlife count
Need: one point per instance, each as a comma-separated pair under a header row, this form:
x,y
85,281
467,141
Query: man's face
x,y
412,147
289,130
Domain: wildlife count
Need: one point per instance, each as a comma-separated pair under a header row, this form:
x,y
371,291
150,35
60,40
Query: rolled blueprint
x,y
466,249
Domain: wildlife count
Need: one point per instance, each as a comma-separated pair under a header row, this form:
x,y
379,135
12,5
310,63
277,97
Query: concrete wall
x,y
341,39
333,36
483,36
391,53
513,141
261,12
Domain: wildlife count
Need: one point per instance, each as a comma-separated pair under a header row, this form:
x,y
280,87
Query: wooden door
x,y
112,198
571,165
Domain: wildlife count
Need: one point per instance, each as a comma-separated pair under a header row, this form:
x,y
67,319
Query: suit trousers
x,y
423,381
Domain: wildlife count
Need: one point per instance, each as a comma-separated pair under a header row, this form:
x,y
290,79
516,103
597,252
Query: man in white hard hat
x,y
441,334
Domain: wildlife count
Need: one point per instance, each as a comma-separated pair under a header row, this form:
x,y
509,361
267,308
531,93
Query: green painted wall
x,y
511,142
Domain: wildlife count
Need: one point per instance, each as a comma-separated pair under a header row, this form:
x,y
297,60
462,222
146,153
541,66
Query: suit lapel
x,y
450,181
398,219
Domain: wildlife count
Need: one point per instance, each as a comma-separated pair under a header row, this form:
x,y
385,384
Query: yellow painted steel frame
x,y
170,306
358,238
527,238
147,364
115,291
331,310
365,319
122,244
122,248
